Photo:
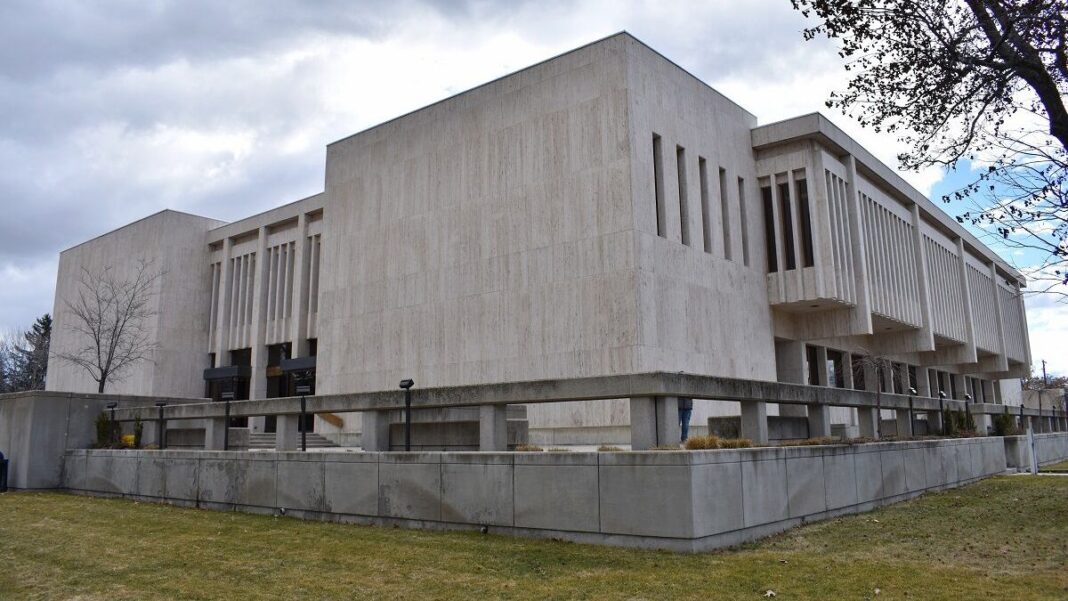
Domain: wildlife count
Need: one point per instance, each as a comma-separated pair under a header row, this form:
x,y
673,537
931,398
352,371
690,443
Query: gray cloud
x,y
113,111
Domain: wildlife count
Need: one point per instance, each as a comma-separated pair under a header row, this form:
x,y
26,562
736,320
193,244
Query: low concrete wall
x,y
684,501
1050,448
37,427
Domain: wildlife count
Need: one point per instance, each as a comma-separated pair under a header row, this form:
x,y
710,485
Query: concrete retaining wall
x,y
685,501
1050,448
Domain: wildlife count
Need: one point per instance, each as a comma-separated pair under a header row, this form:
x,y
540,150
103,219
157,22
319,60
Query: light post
x,y
227,397
942,410
407,386
303,388
111,424
161,434
912,424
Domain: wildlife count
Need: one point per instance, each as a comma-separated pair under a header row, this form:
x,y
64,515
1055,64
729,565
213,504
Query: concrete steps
x,y
259,440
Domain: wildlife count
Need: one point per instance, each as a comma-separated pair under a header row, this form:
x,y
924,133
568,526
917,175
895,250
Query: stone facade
x,y
601,213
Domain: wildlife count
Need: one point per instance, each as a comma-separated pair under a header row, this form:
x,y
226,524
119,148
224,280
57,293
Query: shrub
x,y
107,433
666,447
736,443
822,440
528,448
695,443
1005,425
608,449
139,431
557,450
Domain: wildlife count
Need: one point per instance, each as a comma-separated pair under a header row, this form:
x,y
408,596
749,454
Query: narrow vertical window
x,y
807,255
769,229
658,186
684,209
725,213
786,219
706,217
745,221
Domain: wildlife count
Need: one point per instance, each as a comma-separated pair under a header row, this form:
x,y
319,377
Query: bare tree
x,y
868,362
110,317
976,80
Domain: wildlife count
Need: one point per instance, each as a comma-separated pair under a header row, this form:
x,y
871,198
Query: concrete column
x,y
214,433
222,326
642,423
847,371
919,250
934,422
958,384
862,313
375,435
819,421
983,423
1032,422
904,424
654,422
755,421
287,432
790,367
668,431
923,383
299,332
492,428
866,419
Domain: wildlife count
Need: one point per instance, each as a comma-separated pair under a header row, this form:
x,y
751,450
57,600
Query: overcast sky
x,y
111,111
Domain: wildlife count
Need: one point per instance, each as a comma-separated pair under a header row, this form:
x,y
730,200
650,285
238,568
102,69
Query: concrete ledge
x,y
681,501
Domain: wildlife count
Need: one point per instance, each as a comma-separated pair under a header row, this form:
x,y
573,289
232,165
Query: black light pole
x,y
161,437
303,388
942,410
912,423
227,397
968,405
407,386
111,426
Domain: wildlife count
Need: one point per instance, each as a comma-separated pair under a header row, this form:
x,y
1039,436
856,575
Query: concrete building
x,y
600,213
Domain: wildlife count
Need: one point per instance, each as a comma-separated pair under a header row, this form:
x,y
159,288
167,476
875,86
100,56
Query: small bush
x,y
695,443
107,433
1005,425
557,450
667,447
528,448
609,449
735,443
822,440
139,431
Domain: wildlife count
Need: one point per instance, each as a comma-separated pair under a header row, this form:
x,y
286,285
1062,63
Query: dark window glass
x,y
806,223
769,230
787,227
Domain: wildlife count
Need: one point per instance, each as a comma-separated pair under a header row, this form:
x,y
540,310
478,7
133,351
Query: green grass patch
x,y
1002,538
1056,468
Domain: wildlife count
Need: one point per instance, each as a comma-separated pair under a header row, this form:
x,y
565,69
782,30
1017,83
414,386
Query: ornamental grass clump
x,y
735,443
696,443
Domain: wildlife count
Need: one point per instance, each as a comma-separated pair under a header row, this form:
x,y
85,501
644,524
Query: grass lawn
x,y
1059,468
1004,538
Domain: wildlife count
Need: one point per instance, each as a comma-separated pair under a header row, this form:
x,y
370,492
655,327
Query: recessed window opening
x,y
745,221
658,186
706,217
725,213
786,220
770,248
807,254
684,209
